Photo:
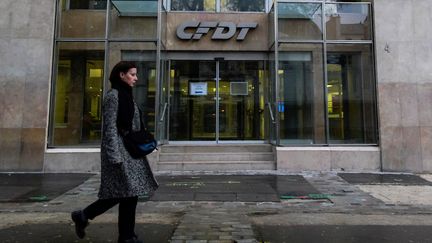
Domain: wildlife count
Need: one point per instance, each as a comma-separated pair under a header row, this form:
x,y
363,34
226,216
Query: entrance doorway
x,y
218,101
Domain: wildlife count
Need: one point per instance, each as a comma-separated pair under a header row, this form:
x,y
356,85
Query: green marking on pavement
x,y
319,196
313,196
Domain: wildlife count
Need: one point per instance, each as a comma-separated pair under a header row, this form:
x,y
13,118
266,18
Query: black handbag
x,y
139,143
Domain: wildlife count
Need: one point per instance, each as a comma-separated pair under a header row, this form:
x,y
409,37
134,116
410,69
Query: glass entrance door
x,y
216,101
192,101
241,100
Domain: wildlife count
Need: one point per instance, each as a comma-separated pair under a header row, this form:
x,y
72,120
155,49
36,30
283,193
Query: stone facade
x,y
404,77
26,37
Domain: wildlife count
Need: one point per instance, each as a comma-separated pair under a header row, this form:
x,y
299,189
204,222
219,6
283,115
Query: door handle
x,y
271,112
163,112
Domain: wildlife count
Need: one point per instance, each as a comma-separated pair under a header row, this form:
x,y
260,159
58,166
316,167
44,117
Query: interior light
x,y
95,73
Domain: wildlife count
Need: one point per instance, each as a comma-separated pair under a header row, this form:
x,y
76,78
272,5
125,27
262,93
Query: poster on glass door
x,y
198,88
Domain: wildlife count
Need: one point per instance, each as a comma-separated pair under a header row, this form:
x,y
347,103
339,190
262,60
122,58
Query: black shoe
x,y
80,221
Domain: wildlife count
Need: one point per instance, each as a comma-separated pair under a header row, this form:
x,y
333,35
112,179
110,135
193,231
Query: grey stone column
x,y
404,69
26,32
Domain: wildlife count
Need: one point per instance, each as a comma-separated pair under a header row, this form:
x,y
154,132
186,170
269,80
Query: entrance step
x,y
219,148
226,157
221,156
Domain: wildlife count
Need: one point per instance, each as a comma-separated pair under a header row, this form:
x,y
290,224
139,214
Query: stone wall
x,y
26,32
404,74
404,62
350,159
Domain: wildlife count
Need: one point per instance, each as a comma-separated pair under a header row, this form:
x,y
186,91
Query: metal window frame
x,y
325,42
218,8
106,40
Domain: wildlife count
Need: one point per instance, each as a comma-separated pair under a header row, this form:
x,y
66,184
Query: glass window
x,y
129,26
299,21
78,21
354,1
143,54
192,117
243,5
351,94
193,5
77,94
136,7
348,22
241,100
87,4
301,94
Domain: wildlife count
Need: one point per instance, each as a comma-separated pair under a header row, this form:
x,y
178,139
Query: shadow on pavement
x,y
256,188
34,187
96,233
344,234
392,179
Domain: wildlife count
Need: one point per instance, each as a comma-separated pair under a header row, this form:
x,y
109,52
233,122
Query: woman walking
x,y
123,178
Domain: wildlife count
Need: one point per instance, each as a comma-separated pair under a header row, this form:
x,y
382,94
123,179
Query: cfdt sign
x,y
222,30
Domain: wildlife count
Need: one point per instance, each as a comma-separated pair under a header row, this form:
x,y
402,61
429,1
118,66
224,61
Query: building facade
x,y
327,84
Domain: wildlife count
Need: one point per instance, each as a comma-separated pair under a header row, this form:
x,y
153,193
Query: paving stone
x,y
227,221
246,241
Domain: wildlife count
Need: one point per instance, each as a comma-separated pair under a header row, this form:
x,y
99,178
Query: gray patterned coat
x,y
121,175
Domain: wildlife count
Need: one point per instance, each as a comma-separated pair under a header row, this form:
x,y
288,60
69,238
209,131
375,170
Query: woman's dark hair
x,y
121,67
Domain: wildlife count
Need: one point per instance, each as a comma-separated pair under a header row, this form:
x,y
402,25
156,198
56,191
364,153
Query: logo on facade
x,y
223,30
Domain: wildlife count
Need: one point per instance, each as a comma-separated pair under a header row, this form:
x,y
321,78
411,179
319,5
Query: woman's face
x,y
130,77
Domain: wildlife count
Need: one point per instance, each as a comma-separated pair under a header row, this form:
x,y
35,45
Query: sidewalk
x,y
267,206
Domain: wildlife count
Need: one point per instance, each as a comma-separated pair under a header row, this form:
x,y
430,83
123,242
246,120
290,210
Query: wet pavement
x,y
231,188
394,179
30,187
227,207
344,234
96,233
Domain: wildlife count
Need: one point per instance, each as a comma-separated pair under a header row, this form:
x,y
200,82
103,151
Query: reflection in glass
x,y
194,96
145,89
144,56
136,7
77,96
301,94
272,99
192,109
193,5
241,100
86,19
87,4
299,21
351,94
243,5
348,21
127,25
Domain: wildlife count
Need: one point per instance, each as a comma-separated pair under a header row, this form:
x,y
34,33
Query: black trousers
x,y
126,214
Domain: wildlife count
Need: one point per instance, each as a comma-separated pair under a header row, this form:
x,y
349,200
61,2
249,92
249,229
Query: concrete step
x,y
216,166
226,156
216,148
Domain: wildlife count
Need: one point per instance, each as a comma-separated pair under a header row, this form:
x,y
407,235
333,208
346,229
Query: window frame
x,y
325,42
218,7
106,39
